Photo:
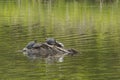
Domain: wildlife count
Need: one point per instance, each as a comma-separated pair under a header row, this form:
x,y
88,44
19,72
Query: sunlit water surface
x,y
93,32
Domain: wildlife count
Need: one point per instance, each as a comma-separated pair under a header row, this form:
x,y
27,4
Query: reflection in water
x,y
84,25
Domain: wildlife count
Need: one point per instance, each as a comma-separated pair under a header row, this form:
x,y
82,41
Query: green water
x,y
84,25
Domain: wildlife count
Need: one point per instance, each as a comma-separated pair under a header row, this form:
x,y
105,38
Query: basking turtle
x,y
52,41
31,44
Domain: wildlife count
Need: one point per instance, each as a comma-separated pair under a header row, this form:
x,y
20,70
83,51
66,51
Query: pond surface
x,y
93,30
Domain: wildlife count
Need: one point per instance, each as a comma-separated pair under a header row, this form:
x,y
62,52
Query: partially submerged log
x,y
43,50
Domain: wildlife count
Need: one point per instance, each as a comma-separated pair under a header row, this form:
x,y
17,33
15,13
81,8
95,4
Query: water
x,y
87,27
